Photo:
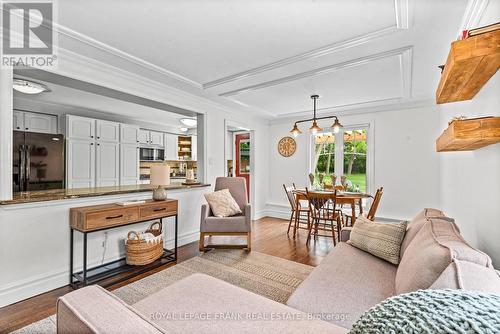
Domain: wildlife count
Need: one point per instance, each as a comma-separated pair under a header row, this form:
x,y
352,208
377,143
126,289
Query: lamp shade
x,y
160,175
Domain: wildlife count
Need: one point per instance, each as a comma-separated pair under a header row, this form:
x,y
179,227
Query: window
x,y
344,155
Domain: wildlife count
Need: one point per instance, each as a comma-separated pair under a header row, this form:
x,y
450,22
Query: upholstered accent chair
x,y
239,225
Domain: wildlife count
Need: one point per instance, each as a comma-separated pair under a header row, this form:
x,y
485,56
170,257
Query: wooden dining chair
x,y
297,211
373,208
324,215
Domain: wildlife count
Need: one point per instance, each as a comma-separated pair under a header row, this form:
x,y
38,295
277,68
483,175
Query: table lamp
x,y
160,176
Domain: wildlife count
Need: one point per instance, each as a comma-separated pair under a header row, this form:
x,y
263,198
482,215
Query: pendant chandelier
x,y
315,128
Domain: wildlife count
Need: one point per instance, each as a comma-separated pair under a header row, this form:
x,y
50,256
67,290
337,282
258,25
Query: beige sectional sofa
x,y
346,283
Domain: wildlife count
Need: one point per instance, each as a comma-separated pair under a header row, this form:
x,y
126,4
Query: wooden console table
x,y
89,219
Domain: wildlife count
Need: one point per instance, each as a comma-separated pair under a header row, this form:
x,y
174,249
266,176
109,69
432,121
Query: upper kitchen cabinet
x,y
34,122
18,121
171,144
143,136
107,131
151,138
80,127
129,134
156,138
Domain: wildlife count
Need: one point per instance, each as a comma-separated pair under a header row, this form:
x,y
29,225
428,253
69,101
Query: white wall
x,y
405,161
470,181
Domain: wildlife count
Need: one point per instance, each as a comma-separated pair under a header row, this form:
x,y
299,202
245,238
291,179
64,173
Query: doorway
x,y
239,154
242,168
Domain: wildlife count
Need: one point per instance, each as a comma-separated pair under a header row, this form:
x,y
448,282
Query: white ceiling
x,y
268,56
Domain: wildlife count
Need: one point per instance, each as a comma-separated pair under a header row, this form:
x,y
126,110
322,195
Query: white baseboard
x,y
22,289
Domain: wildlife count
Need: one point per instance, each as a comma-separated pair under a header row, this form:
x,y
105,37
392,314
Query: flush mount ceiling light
x,y
183,129
29,87
315,128
189,122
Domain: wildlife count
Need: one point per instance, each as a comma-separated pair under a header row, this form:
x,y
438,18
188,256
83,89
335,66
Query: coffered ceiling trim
x,y
401,23
404,53
473,14
65,31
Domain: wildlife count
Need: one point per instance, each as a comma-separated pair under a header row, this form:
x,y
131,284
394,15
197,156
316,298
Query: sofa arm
x,y
94,310
345,234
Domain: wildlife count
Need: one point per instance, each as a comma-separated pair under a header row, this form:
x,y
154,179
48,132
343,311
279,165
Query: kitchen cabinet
x,y
18,121
107,131
156,138
129,164
34,122
143,136
194,148
80,127
80,163
107,164
171,145
129,134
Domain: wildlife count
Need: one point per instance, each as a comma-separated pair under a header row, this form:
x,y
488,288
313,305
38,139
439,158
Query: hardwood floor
x,y
268,236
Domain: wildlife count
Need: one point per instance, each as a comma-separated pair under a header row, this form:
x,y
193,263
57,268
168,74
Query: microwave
x,y
151,154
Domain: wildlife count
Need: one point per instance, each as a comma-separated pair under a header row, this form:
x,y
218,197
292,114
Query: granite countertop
x,y
59,194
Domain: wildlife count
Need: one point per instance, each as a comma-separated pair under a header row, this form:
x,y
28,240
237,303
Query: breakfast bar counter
x,y
61,194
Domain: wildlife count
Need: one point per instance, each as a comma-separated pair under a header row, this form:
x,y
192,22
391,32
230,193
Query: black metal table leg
x,y
175,238
84,258
71,256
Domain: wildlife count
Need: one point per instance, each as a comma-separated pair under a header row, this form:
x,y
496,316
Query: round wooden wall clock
x,y
287,146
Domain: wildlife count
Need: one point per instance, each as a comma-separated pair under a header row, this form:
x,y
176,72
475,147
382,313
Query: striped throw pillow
x,y
382,240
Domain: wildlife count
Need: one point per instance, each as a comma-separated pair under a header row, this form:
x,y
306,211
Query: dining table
x,y
343,197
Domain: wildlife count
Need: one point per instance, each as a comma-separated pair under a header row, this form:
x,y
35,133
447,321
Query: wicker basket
x,y
141,252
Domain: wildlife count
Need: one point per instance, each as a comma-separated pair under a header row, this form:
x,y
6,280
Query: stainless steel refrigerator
x,y
38,161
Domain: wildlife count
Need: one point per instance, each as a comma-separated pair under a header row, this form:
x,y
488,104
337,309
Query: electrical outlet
x,y
105,239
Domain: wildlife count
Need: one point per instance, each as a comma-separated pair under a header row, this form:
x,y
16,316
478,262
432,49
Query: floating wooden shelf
x,y
470,64
470,134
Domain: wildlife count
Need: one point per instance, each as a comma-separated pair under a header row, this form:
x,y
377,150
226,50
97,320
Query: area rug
x,y
266,275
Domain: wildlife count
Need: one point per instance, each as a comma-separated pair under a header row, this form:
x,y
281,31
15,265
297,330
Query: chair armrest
x,y
248,215
94,310
345,234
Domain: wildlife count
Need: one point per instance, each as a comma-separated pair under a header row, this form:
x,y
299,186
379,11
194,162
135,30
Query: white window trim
x,y
339,166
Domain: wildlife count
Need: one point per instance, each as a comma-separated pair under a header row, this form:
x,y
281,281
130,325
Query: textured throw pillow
x,y
433,311
222,203
379,239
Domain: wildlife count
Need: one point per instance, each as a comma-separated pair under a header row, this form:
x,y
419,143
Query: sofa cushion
x,y
468,276
416,224
226,224
434,248
346,283
379,239
203,304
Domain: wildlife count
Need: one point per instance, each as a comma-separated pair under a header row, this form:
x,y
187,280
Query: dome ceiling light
x,y
29,87
189,122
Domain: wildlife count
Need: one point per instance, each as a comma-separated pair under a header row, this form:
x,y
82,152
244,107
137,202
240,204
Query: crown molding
x,y
401,11
331,68
472,16
65,31
402,14
62,30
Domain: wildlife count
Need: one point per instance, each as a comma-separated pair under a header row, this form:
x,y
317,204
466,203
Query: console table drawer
x,y
158,209
98,220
